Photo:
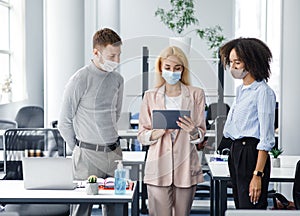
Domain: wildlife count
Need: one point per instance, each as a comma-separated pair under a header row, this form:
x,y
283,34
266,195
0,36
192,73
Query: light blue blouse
x,y
252,114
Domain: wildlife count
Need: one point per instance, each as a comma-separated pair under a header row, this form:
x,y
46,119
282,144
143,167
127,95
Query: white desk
x,y
132,133
13,192
134,121
128,134
134,157
136,162
220,175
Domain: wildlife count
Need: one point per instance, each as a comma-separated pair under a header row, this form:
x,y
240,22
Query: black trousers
x,y
242,162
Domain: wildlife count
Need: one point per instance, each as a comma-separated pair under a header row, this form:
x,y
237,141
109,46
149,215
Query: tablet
x,y
166,119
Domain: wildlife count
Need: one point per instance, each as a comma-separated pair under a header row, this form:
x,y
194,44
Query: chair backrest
x,y
4,125
296,187
212,110
22,142
7,124
30,117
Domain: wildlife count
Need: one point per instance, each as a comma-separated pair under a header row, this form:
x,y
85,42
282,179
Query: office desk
x,y
13,192
132,133
128,134
136,160
220,176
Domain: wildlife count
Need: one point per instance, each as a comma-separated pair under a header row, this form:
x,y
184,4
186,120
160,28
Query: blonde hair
x,y
171,51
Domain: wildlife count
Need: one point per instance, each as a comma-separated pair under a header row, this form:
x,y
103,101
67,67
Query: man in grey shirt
x,y
90,110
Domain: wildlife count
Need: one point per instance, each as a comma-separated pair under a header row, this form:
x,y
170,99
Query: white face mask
x,y
108,65
238,73
171,77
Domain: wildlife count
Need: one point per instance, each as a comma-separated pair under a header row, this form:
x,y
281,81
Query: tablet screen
x,y
166,119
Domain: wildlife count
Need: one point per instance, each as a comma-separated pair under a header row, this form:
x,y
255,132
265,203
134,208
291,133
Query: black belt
x,y
95,147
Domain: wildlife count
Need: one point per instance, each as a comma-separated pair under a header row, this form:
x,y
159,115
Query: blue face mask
x,y
171,77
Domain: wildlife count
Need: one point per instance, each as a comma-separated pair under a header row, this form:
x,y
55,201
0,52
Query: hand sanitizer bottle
x,y
120,179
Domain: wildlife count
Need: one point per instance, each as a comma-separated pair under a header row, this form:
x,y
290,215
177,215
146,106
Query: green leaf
x,y
181,16
276,152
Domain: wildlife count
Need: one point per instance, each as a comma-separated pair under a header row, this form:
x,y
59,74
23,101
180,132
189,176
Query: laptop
x,y
48,173
166,119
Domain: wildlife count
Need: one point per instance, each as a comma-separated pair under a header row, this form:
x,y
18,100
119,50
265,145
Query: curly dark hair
x,y
254,53
105,37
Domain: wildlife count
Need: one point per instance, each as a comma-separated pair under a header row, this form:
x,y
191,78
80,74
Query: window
x,y
261,19
12,70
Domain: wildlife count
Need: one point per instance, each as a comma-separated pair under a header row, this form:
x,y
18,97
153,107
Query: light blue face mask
x,y
171,77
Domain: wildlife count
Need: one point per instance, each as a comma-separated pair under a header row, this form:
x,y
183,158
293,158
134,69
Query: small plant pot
x,y
276,162
92,188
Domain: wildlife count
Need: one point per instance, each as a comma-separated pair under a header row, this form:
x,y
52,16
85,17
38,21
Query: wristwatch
x,y
195,135
258,173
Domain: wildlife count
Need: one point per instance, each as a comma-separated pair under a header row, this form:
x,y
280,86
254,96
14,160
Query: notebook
x,y
46,173
166,119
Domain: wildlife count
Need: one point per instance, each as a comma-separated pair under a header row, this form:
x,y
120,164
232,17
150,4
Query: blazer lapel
x,y
186,100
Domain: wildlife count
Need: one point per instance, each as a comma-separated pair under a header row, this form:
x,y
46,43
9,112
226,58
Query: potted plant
x,y
181,16
275,153
6,89
92,185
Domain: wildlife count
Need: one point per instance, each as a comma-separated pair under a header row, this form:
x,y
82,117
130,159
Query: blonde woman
x,y
172,168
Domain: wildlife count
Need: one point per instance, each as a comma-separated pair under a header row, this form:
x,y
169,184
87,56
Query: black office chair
x,y
4,125
19,142
124,124
296,194
7,124
212,113
30,117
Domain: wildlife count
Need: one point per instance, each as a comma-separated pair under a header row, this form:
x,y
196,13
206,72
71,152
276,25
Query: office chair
x,y
59,138
215,122
296,194
19,142
124,124
4,125
7,124
30,117
212,113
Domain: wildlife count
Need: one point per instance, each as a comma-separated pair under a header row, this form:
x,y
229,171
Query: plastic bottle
x,y
120,179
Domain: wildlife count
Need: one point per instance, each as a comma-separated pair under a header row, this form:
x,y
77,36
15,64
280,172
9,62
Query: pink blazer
x,y
168,162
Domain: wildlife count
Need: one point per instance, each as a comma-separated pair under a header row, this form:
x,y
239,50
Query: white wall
x,y
69,27
140,27
63,50
290,76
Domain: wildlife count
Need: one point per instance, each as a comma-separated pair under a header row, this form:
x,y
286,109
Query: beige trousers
x,y
170,200
87,162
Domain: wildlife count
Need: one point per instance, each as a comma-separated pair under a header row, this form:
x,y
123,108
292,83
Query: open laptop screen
x,y
48,173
